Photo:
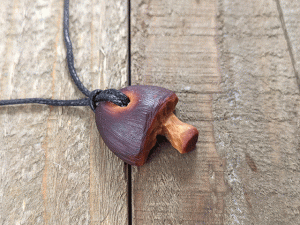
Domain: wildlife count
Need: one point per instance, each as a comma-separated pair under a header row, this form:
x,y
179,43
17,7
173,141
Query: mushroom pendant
x,y
130,132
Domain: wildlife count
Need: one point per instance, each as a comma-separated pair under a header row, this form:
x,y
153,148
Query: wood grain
x,y
290,20
173,45
257,114
55,168
234,66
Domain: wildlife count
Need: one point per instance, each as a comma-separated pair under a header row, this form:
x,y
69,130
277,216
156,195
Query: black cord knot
x,y
110,95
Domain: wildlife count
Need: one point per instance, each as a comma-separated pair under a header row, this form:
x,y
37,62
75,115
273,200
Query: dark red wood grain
x,y
130,132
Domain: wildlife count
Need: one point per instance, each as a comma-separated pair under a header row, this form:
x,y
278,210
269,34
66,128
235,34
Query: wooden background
x,y
235,67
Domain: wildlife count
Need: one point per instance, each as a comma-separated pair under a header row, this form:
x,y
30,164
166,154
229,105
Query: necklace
x,y
128,119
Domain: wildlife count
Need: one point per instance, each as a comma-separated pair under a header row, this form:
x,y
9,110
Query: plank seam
x,y
287,38
129,170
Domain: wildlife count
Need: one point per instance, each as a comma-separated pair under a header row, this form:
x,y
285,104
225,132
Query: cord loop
x,y
92,101
110,95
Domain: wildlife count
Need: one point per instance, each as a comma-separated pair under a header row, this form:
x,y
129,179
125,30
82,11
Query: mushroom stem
x,y
181,135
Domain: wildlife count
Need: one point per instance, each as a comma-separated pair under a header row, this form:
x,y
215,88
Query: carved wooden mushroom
x,y
130,132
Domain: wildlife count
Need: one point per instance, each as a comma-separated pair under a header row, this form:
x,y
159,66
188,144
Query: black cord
x,y
79,102
70,57
93,98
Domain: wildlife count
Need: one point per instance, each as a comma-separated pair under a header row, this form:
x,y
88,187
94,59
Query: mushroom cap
x,y
130,132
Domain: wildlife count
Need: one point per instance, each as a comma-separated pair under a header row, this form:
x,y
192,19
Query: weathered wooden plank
x,y
257,115
173,45
55,168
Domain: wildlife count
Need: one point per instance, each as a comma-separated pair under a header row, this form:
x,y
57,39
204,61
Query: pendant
x,y
130,132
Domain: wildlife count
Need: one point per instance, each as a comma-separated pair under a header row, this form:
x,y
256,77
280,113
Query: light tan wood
x,y
182,136
55,168
257,115
173,45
